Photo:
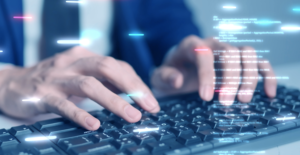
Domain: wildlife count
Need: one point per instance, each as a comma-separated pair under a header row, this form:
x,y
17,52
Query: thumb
x,y
167,77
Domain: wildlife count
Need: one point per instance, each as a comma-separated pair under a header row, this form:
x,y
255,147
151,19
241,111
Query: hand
x,y
76,72
191,66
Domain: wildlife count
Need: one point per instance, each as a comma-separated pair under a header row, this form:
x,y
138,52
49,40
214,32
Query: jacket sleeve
x,y
165,23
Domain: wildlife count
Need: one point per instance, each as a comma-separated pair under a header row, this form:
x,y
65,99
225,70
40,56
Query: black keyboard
x,y
185,125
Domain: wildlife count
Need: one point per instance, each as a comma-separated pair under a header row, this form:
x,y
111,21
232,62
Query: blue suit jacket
x,y
164,24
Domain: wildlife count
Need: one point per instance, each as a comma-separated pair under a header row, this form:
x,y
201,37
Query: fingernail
x,y
151,102
132,112
226,100
92,122
273,91
206,93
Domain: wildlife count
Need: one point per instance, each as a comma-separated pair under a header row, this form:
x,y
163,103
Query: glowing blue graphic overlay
x,y
229,7
31,100
74,1
296,9
138,94
230,27
285,118
292,28
1,51
146,130
91,34
74,42
39,138
136,34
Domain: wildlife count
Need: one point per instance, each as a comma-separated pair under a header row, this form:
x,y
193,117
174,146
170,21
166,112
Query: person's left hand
x,y
206,65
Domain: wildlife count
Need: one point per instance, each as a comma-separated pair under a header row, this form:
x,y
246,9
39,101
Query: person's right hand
x,y
76,72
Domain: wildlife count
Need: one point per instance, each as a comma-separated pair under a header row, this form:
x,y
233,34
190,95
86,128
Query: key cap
x,y
121,133
285,125
173,143
243,126
107,127
101,147
122,143
144,120
216,121
266,130
161,125
49,123
116,153
176,121
198,126
157,147
196,110
270,120
40,150
121,124
194,118
207,135
281,107
196,148
57,129
3,132
143,138
160,116
20,130
137,150
178,113
8,140
99,137
178,130
294,103
188,139
225,131
72,134
67,144
181,151
162,134
266,110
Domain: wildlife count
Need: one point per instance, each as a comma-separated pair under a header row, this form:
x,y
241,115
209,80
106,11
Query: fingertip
x,y
92,123
133,115
175,80
206,92
226,100
271,91
156,110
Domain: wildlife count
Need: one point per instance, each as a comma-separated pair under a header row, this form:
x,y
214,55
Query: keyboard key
x,y
280,107
161,125
49,123
101,147
196,148
244,136
107,127
173,143
196,110
116,153
57,129
178,130
3,132
144,120
266,110
122,143
216,121
188,139
225,131
137,150
194,118
20,130
67,144
157,147
176,121
162,134
143,138
121,133
72,134
207,135
8,140
265,130
270,120
181,151
160,116
198,126
243,126
40,150
99,137
285,125
121,124
178,113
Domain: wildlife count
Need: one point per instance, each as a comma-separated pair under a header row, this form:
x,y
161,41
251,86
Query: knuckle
x,y
86,83
77,114
77,50
59,60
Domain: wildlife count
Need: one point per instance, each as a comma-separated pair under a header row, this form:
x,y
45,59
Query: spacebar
x,y
101,147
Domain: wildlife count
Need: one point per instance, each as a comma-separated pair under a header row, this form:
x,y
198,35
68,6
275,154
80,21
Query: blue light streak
x,y
136,34
135,94
296,9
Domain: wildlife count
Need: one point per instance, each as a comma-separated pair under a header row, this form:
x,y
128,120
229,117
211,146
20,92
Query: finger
x,y
67,109
90,87
121,75
228,81
167,77
270,84
249,74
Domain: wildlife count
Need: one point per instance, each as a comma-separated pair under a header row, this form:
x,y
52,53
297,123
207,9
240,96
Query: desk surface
x,y
290,70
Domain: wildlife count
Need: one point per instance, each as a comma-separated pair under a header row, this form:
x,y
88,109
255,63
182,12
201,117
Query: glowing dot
x,y
290,28
72,42
136,34
1,51
229,7
31,100
296,9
